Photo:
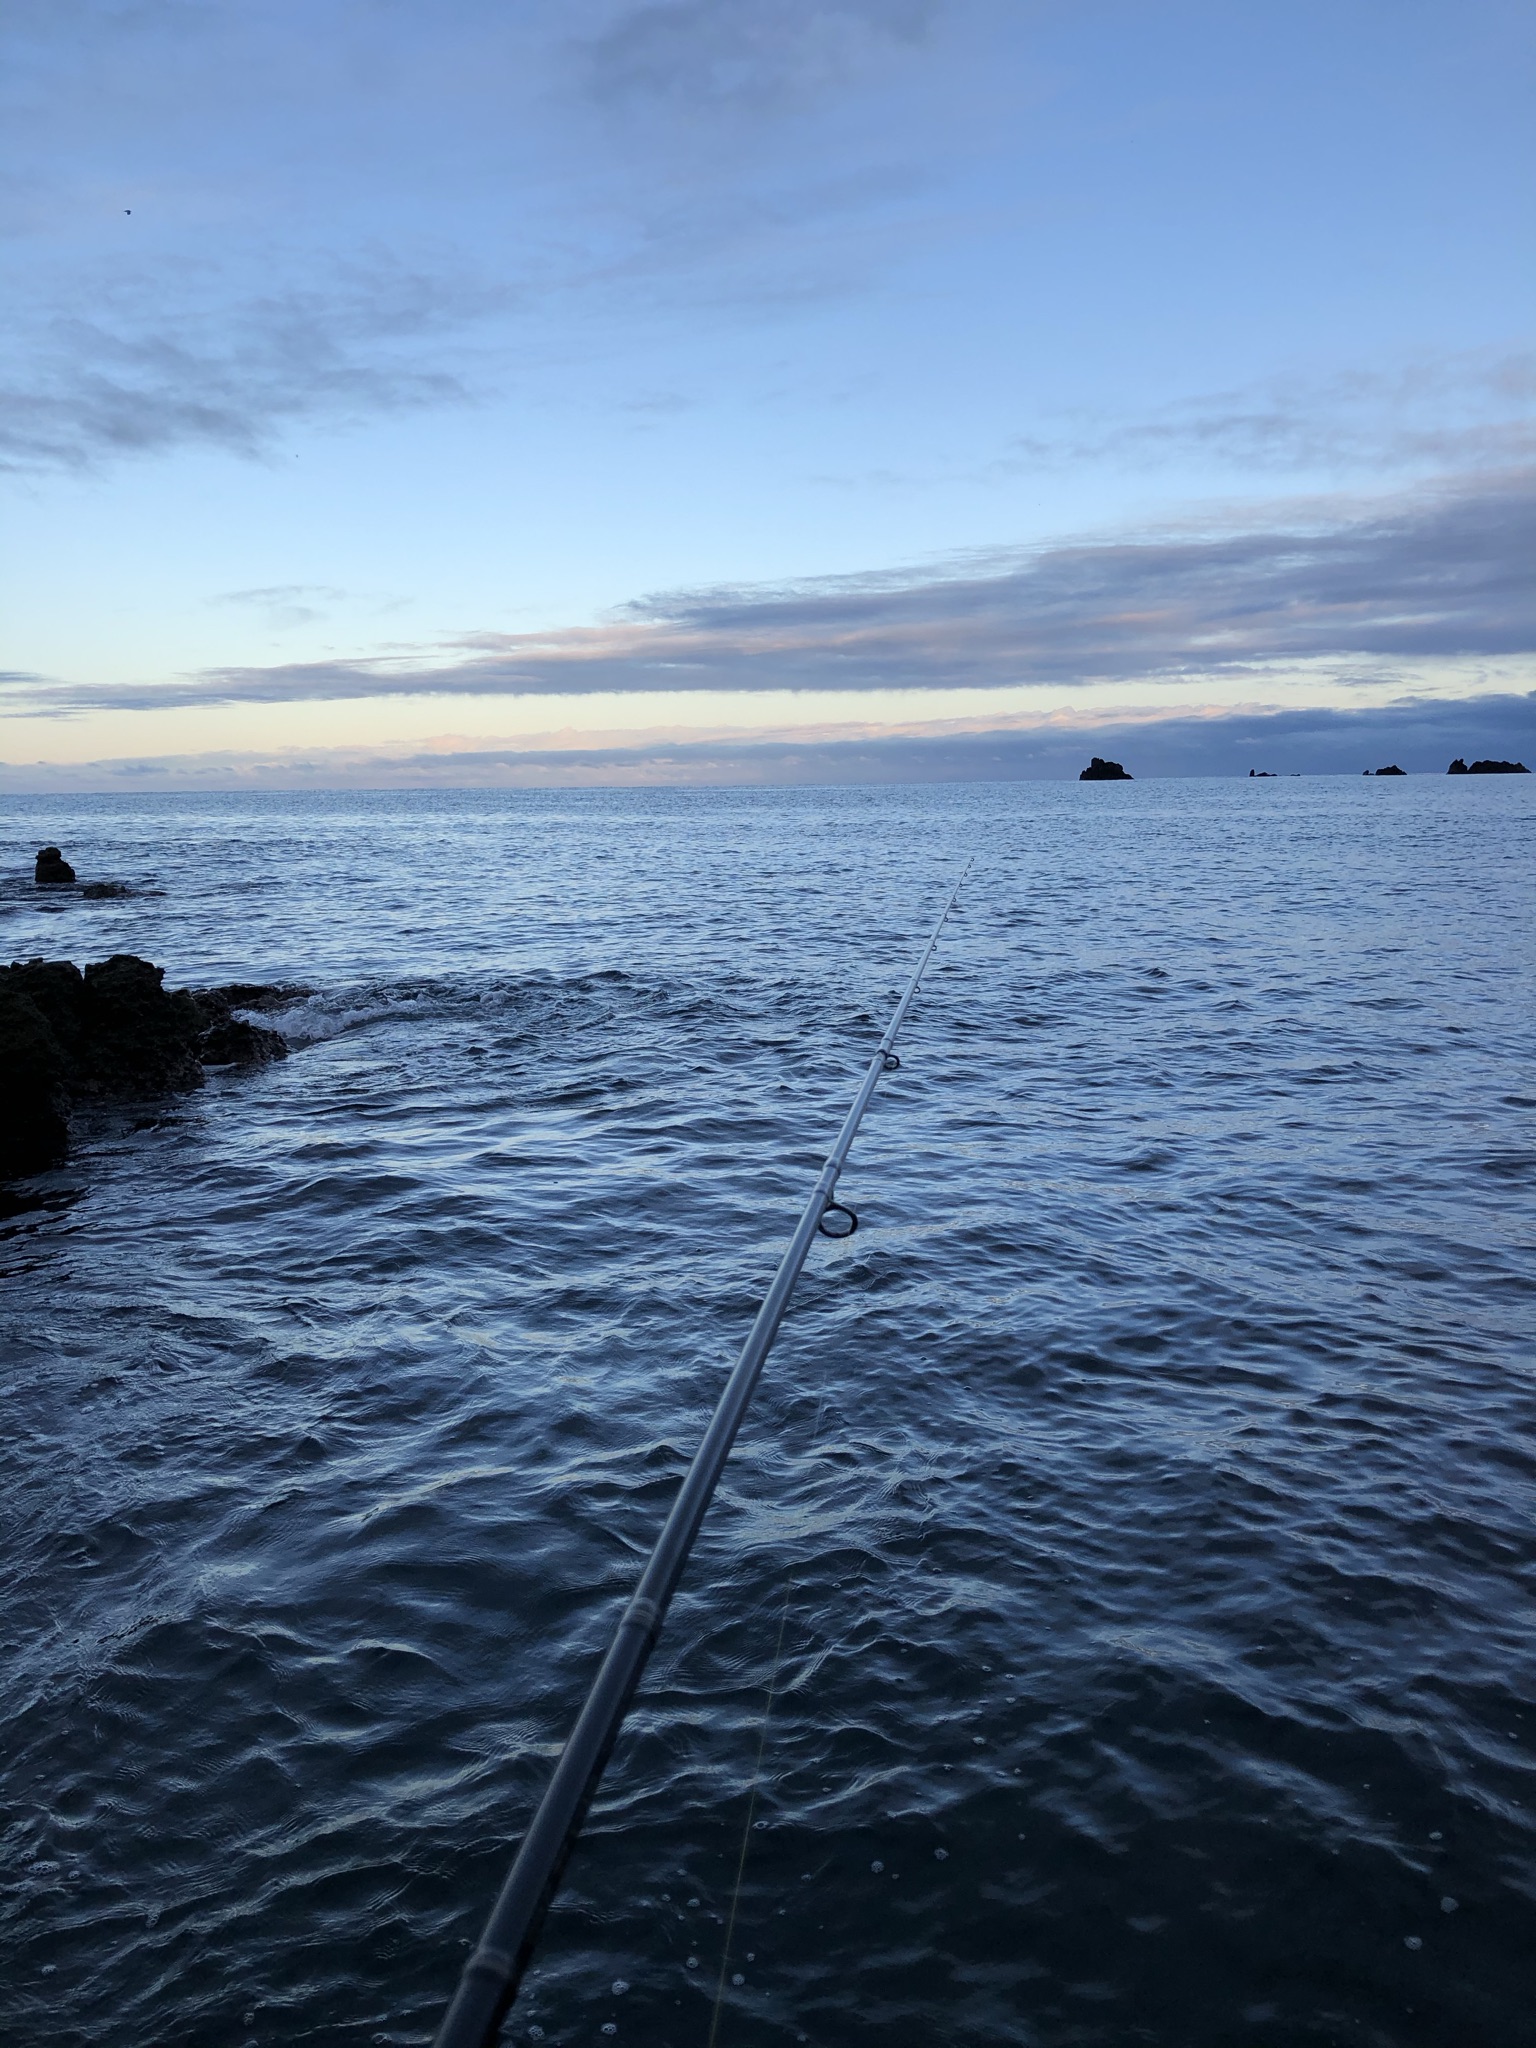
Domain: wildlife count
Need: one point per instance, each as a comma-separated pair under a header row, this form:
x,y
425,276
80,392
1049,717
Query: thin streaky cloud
x,y
1445,412
143,378
741,55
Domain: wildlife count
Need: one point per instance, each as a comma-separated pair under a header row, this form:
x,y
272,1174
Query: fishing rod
x,y
493,1972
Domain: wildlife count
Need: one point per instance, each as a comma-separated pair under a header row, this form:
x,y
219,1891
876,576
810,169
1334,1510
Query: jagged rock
x,y
1104,771
141,1039
112,1031
1498,768
230,1041
1389,771
1262,774
1458,767
34,1092
257,995
53,871
100,891
236,1043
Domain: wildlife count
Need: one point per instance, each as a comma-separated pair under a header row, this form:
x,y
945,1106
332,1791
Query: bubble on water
x,y
1435,1835
535,2033
1412,1941
942,1855
737,1977
979,1740
693,1962
693,1902
1449,1905
877,1866
609,2028
751,1955
247,2019
50,1969
620,1986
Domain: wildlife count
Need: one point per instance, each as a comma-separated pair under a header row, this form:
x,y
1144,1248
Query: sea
x,y
1117,1621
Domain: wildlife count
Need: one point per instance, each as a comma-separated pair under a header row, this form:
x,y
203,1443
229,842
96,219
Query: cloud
x,y
284,605
1420,737
152,370
1462,411
735,54
1443,574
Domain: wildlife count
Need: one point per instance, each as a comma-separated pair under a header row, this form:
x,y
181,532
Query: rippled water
x,y
1144,1495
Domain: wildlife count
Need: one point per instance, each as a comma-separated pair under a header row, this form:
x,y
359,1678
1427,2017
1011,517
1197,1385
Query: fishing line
x,y
757,1773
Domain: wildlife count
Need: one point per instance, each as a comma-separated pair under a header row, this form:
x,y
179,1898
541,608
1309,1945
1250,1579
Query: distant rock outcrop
x,y
1262,774
112,1031
1104,771
53,871
1459,767
1388,771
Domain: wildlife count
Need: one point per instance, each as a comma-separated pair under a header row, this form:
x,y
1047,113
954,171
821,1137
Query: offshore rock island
x,y
112,1032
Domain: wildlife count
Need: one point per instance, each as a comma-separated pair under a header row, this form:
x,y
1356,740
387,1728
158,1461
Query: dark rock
x,y
229,1041
239,1044
53,871
142,1040
1498,768
34,1093
1457,767
1389,771
257,995
112,1032
1263,774
1104,771
99,891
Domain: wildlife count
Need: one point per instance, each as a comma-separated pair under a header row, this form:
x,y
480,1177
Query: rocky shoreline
x,y
112,1031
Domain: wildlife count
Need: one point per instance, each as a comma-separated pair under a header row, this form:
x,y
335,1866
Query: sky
x,y
726,390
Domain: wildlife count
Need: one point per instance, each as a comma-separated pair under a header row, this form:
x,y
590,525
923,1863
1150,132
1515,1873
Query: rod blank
x,y
493,1972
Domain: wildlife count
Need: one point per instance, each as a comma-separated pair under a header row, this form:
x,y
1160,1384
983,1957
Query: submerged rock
x,y
99,891
53,871
1104,771
111,1032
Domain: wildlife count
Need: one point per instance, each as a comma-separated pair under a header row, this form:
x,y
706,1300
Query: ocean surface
x,y
1133,1529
